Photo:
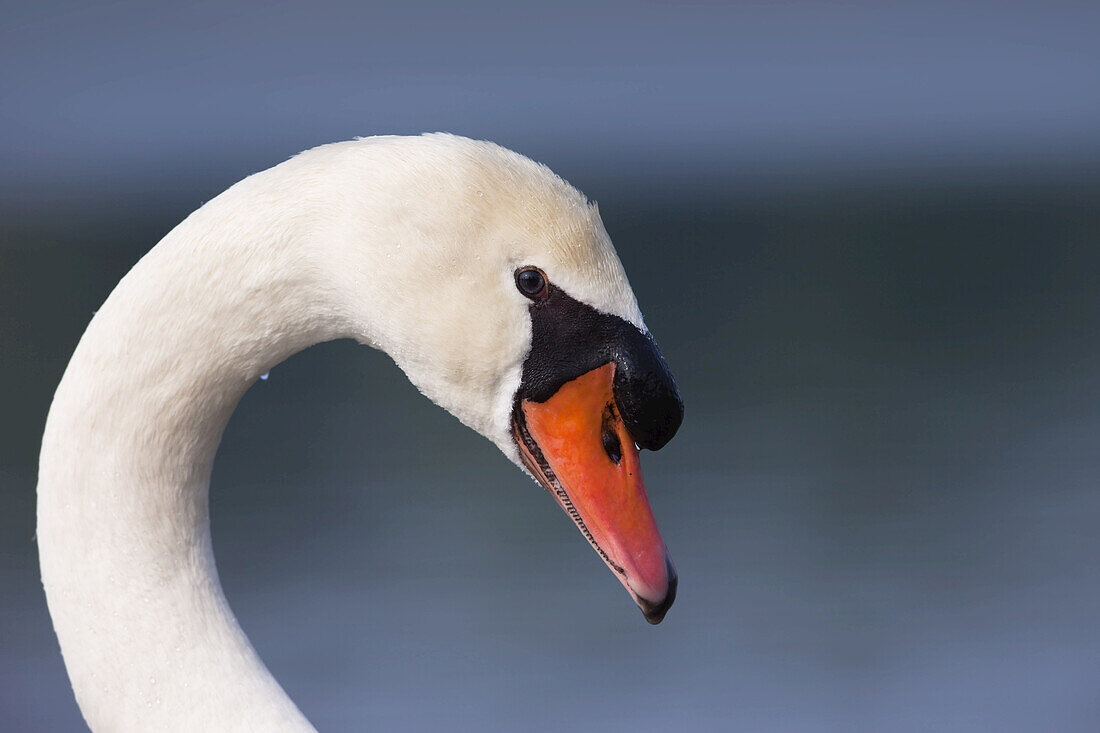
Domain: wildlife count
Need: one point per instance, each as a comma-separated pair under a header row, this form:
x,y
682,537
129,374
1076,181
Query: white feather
x,y
405,244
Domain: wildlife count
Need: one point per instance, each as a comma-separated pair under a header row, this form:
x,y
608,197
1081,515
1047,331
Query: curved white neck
x,y
148,638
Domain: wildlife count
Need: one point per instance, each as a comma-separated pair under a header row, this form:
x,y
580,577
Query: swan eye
x,y
531,282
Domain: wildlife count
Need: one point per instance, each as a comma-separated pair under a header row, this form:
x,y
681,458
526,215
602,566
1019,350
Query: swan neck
x,y
148,638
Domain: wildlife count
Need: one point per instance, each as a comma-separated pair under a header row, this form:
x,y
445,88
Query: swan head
x,y
495,287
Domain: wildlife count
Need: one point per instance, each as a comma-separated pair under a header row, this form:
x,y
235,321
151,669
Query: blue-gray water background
x,y
865,236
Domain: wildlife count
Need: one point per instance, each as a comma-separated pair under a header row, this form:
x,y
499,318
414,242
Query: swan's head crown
x,y
430,232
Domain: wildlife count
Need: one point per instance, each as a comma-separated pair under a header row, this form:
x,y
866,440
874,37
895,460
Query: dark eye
x,y
531,282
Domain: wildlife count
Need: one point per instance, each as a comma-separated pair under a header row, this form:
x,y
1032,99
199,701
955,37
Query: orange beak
x,y
576,445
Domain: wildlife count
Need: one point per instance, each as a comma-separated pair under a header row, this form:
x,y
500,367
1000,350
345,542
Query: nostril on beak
x,y
612,445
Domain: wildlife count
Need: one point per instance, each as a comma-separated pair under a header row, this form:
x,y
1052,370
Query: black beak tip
x,y
655,612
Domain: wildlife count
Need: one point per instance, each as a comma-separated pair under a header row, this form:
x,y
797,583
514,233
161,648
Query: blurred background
x,y
865,236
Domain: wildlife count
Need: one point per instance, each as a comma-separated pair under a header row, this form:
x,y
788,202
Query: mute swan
x,y
489,280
